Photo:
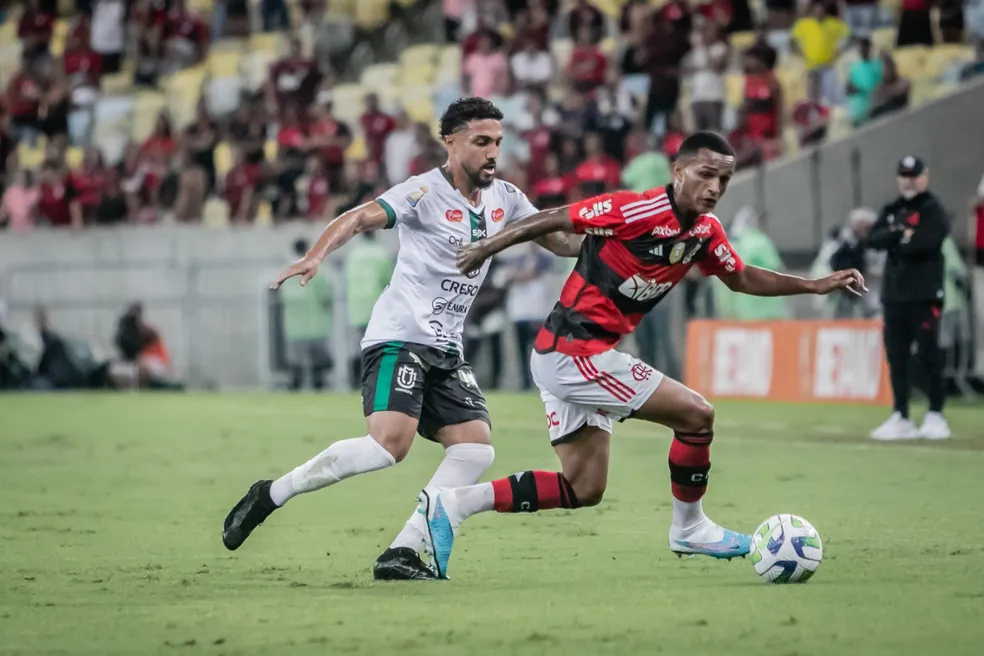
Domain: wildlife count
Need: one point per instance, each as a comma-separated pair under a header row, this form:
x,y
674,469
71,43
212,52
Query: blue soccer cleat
x,y
441,532
709,539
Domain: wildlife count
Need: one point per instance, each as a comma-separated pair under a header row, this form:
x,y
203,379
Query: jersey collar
x,y
446,174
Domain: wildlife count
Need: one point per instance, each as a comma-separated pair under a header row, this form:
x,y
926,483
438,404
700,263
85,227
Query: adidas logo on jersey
x,y
641,289
600,208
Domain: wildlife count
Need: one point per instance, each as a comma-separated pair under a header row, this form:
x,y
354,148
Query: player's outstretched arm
x,y
756,281
471,256
561,244
365,217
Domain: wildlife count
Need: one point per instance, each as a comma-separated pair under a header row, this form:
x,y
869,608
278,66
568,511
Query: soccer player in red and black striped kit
x,y
636,248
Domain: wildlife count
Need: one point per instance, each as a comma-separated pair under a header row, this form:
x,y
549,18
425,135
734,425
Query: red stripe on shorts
x,y
612,379
591,374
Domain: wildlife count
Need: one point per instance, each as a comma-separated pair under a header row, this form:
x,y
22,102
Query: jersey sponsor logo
x,y
406,377
641,289
700,230
441,305
641,372
599,208
726,257
498,214
693,251
455,240
676,254
454,216
665,231
455,287
467,376
442,335
478,233
414,196
599,232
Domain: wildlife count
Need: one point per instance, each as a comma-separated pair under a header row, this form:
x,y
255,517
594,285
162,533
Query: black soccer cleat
x,y
251,511
402,564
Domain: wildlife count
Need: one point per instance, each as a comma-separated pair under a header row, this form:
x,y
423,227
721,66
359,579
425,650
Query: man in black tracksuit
x,y
911,229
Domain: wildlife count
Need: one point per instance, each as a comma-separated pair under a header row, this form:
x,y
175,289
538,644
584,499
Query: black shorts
x,y
422,382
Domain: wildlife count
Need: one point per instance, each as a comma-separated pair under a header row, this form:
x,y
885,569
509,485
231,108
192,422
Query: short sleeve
x,y
400,202
518,205
720,257
602,216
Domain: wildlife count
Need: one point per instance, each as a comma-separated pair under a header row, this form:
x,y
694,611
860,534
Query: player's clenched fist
x,y
306,268
471,257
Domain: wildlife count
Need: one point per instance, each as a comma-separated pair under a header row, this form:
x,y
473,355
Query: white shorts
x,y
592,390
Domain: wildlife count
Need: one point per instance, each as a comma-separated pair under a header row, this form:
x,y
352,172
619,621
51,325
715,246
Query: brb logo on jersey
x,y
600,208
454,216
724,254
497,214
640,289
599,232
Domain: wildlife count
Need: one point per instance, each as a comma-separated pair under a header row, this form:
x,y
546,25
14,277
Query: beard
x,y
477,179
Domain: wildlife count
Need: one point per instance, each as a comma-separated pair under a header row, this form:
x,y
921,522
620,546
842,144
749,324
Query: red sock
x,y
690,466
531,491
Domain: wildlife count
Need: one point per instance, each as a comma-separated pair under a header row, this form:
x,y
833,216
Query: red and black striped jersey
x,y
634,252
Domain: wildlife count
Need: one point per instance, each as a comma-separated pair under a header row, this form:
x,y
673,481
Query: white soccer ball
x,y
786,549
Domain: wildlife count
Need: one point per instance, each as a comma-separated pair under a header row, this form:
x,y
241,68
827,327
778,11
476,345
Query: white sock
x,y
473,499
336,463
687,514
463,464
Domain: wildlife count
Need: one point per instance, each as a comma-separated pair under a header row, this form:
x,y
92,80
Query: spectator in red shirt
x,y
24,93
540,142
598,172
83,70
241,189
675,134
586,15
88,182
552,189
331,138
58,203
812,115
376,125
293,80
318,191
587,64
185,37
160,145
34,31
431,152
662,56
762,111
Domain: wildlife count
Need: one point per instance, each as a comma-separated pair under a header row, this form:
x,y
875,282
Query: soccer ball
x,y
786,549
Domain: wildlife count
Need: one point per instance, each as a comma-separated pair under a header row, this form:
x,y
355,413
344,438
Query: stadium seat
x,y
370,14
741,41
215,213
418,76
223,159
357,150
735,85
790,142
422,55
840,124
117,83
183,90
8,31
264,214
911,61
379,76
224,63
561,51
343,7
58,36
265,42
147,105
347,101
28,157
203,7
256,68
611,8
922,91
10,62
270,149
73,157
945,55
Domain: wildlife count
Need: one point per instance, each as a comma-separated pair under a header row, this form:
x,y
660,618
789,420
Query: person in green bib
x,y
307,317
755,248
368,268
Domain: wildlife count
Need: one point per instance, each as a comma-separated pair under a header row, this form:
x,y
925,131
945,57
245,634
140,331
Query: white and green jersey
x,y
427,298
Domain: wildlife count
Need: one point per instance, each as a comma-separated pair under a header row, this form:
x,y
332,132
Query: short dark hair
x,y
465,110
711,141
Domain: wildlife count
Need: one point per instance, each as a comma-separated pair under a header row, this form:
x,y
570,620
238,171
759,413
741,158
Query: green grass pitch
x,y
111,509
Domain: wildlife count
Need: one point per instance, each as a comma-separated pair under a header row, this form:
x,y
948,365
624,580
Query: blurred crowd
x,y
611,112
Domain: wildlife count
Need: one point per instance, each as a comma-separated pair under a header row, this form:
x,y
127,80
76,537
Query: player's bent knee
x,y
396,443
699,416
590,494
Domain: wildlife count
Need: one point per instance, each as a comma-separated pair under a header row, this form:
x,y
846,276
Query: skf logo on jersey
x,y
497,214
598,209
454,216
478,233
599,232
640,289
414,196
641,372
702,229
677,253
724,254
665,231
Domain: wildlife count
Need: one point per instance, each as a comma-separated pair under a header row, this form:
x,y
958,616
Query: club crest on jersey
x,y
599,208
676,254
414,196
497,214
454,216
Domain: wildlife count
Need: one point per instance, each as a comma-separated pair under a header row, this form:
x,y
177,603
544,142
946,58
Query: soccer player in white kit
x,y
415,379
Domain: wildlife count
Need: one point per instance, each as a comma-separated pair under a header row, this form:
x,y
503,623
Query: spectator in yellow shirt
x,y
819,39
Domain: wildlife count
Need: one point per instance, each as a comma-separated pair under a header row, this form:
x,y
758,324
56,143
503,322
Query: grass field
x,y
111,510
